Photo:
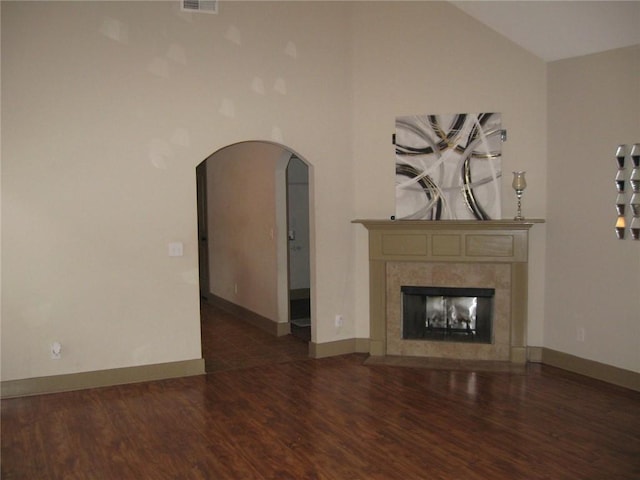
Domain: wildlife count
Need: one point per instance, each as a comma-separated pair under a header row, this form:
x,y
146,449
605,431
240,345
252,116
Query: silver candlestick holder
x,y
519,184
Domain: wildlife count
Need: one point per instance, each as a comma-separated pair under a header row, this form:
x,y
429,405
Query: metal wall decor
x,y
448,166
632,193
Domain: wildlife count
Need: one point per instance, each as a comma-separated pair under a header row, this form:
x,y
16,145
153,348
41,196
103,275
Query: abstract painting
x,y
448,166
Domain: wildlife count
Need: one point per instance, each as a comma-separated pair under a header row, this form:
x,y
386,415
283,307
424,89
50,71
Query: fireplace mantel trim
x,y
460,241
443,224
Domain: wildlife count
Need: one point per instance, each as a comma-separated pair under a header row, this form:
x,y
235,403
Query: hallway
x,y
229,343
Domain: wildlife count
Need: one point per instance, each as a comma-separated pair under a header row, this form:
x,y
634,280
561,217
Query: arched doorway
x,y
254,221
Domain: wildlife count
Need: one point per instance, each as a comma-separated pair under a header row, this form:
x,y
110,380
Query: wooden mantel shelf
x,y
502,224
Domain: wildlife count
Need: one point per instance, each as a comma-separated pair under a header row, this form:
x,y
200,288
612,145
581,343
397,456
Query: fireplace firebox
x,y
447,314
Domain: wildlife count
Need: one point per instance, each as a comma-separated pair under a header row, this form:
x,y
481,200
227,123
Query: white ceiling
x,y
559,29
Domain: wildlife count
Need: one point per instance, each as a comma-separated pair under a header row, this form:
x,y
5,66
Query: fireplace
x,y
446,278
447,314
485,261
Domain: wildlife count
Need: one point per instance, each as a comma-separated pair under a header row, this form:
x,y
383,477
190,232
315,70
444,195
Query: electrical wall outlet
x,y
339,321
56,351
580,334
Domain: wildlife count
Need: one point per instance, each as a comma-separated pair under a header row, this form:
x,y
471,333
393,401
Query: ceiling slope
x,y
554,30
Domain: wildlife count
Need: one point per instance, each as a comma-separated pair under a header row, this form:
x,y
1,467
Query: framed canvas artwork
x,y
448,166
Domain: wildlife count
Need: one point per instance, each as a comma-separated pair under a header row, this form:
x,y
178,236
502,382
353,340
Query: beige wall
x,y
109,106
593,279
107,109
428,57
242,226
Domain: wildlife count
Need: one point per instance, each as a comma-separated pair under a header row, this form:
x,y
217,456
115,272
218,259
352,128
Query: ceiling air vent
x,y
202,6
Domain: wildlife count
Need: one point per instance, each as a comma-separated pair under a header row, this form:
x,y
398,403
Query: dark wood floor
x,y
332,418
228,343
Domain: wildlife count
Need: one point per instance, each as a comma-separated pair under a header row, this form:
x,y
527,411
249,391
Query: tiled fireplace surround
x,y
450,253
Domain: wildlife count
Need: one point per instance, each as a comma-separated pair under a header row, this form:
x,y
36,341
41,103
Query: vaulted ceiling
x,y
559,29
